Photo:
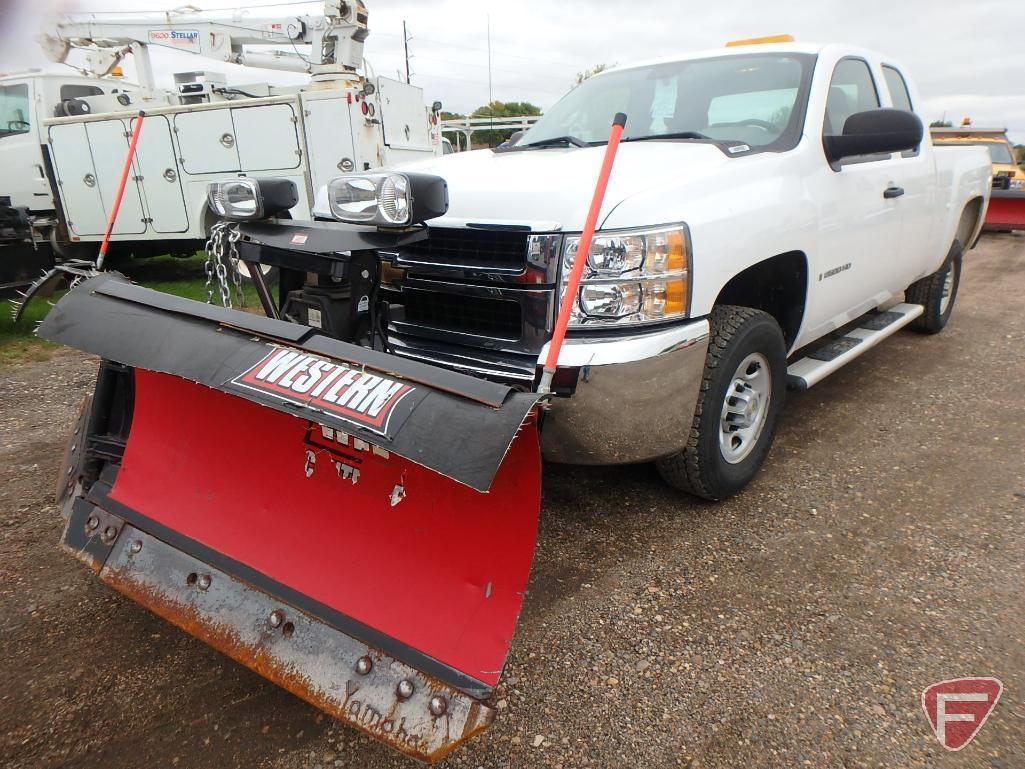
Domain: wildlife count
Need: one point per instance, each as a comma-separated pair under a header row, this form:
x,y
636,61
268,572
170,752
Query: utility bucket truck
x,y
344,494
68,141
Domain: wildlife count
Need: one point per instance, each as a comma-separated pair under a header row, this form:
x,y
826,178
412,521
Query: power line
x,y
449,44
484,83
472,64
201,10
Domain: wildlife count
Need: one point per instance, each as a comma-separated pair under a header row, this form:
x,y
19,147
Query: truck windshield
x,y
754,99
14,109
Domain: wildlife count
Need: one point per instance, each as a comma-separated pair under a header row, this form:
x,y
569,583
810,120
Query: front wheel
x,y
738,406
936,293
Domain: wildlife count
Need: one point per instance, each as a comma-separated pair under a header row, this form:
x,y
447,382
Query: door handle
x,y
893,192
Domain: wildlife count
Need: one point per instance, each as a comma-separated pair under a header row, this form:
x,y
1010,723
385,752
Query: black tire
x,y
929,292
701,468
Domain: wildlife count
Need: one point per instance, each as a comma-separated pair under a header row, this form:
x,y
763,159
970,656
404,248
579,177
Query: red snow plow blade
x,y
1006,210
362,539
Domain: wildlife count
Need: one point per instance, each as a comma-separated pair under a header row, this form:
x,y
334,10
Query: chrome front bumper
x,y
634,399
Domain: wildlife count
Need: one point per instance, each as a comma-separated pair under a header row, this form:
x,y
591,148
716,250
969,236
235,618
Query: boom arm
x,y
336,39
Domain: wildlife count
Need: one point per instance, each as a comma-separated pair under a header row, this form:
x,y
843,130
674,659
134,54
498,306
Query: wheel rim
x,y
948,289
745,408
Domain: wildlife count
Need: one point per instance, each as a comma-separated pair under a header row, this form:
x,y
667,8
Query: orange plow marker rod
x,y
120,191
573,286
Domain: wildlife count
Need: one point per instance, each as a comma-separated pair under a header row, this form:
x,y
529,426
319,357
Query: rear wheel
x,y
738,406
936,293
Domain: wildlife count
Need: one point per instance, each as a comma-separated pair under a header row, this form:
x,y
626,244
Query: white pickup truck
x,y
774,211
768,208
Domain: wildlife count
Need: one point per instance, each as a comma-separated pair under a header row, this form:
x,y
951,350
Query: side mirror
x,y
436,107
873,132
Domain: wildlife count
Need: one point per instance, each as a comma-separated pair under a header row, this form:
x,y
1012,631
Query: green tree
x,y
1019,153
501,110
591,72
941,124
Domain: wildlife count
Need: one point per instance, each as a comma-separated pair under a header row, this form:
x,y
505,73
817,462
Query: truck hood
x,y
551,189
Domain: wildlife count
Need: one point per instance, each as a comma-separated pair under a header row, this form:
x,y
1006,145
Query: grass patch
x,y
181,277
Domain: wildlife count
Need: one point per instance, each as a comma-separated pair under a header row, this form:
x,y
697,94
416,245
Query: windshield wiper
x,y
677,135
556,140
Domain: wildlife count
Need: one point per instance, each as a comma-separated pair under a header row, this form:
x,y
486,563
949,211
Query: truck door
x,y
108,142
407,134
328,136
76,178
156,163
24,180
859,220
918,205
266,137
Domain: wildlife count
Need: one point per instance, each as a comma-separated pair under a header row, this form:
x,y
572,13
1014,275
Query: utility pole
x,y
491,99
405,45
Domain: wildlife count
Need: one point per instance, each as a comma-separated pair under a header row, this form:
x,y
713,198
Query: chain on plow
x,y
222,260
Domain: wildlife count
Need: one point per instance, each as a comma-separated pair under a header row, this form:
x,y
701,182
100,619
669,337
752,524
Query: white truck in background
x,y
67,137
30,228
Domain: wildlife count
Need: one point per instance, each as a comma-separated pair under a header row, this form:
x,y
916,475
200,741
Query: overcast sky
x,y
967,57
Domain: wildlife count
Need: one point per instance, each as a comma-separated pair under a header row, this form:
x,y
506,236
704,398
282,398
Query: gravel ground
x,y
879,551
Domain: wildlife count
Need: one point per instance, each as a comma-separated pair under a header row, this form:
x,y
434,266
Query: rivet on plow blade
x,y
364,665
405,689
438,706
276,618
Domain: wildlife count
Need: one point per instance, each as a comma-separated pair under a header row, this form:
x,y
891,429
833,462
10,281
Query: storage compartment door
x,y
109,147
328,138
76,179
267,138
161,181
403,115
206,139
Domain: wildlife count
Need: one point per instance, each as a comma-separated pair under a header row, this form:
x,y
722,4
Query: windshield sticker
x,y
663,104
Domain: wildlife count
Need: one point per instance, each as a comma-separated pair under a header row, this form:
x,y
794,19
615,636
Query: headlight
x,y
251,198
635,276
387,200
1018,184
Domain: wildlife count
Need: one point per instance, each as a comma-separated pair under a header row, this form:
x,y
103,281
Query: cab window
x,y
15,110
71,91
851,90
898,88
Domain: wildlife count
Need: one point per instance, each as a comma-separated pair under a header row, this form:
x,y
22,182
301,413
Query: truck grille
x,y
498,318
469,248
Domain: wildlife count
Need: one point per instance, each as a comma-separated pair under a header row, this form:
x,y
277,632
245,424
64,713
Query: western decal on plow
x,y
307,380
